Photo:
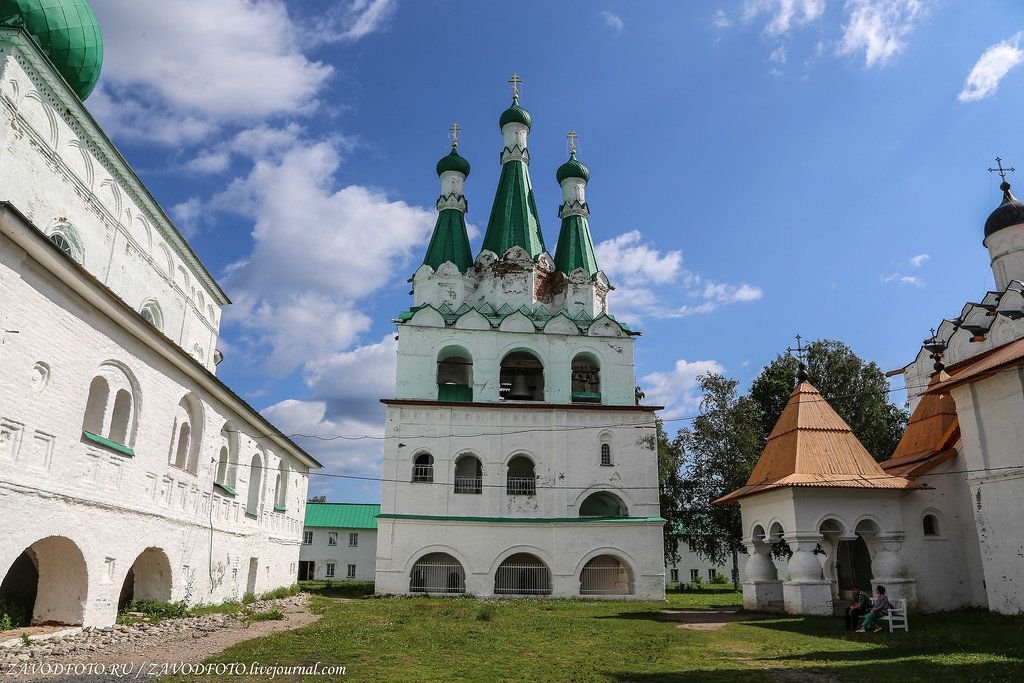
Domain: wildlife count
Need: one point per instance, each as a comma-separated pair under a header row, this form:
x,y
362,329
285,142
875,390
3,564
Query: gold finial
x,y
455,128
571,137
515,81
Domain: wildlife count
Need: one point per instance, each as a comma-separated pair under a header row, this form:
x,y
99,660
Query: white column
x,y
889,570
762,588
806,591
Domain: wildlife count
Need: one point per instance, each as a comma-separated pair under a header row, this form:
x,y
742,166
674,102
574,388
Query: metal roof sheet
x,y
342,515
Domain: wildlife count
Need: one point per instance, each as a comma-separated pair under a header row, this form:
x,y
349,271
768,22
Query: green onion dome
x,y
572,169
453,162
67,31
515,114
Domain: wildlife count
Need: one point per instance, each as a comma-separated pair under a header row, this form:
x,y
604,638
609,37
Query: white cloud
x,y
721,20
677,389
778,55
313,261
188,215
918,261
647,280
901,279
613,21
783,15
353,20
991,67
879,28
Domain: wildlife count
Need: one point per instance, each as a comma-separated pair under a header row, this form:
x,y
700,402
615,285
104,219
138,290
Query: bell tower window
x,y
522,377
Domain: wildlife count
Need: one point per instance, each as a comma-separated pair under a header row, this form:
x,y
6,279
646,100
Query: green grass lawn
x,y
417,639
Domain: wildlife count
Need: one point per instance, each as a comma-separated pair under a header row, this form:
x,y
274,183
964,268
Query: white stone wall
x,y
690,560
53,482
319,551
60,170
480,547
419,348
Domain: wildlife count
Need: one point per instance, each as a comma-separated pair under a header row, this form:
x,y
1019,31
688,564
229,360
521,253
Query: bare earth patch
x,y
169,645
709,619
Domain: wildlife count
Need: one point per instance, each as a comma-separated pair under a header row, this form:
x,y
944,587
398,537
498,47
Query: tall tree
x,y
720,449
670,460
857,390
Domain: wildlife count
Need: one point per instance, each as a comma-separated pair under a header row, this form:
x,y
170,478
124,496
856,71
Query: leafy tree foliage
x,y
858,391
719,450
670,461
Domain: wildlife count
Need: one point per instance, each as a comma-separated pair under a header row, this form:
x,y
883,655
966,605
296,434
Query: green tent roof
x,y
342,515
575,248
514,218
450,241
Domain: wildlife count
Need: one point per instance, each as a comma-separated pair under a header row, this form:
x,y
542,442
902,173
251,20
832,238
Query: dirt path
x,y
148,657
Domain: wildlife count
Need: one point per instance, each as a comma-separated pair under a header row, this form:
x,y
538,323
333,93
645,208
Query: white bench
x,y
897,616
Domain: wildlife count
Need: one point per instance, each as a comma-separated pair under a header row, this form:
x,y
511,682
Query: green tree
x,y
857,390
670,461
719,450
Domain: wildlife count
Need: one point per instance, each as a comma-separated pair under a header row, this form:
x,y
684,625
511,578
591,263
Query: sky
x,y
759,169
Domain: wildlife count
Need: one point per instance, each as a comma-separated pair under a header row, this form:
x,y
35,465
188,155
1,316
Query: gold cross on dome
x,y
571,137
1000,170
455,128
515,81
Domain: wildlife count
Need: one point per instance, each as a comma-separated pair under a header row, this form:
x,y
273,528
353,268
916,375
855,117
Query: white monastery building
x,y
939,523
339,542
516,458
127,469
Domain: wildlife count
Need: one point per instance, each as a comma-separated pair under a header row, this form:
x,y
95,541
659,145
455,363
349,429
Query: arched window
x,y
603,504
455,375
112,420
186,435
152,314
252,504
221,476
522,377
606,454
423,469
437,573
281,486
469,475
586,379
605,575
96,406
66,238
227,458
931,525
521,479
522,574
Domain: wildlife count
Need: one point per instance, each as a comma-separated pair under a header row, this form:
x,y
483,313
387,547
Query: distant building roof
x,y
342,515
812,446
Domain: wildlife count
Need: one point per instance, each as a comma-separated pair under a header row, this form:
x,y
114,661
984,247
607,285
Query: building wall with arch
x,y
63,174
55,480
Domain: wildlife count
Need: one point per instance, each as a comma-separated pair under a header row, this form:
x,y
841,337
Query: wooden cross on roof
x,y
571,137
515,81
455,128
1000,170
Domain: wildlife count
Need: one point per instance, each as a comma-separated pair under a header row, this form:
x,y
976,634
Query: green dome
x,y
572,169
453,162
515,114
67,31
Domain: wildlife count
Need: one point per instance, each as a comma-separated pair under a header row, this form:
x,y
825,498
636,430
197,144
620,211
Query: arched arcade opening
x,y
47,583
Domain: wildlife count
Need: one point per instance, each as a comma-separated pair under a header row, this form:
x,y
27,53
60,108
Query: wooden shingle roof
x,y
812,446
930,435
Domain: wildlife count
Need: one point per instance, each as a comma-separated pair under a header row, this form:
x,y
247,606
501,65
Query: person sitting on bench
x,y
861,605
879,609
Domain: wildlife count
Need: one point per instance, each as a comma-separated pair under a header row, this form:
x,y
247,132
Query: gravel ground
x,y
143,651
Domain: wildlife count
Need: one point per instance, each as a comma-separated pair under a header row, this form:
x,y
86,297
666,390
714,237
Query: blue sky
x,y
760,168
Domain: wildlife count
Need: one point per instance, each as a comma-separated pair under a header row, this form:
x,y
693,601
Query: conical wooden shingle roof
x,y
930,435
812,446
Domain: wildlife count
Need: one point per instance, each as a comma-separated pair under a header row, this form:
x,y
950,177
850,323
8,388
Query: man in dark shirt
x,y
861,605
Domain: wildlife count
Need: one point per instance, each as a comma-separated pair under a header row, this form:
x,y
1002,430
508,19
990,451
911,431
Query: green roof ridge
x,y
514,220
575,248
450,241
342,515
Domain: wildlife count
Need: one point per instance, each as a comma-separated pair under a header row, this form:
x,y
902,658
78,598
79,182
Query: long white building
x,y
516,459
127,469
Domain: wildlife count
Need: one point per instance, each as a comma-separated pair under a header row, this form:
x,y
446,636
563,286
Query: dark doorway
x,y
307,570
853,564
18,590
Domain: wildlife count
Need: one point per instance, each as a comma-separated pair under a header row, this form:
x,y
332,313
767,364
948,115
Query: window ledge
x,y
607,464
224,488
112,445
279,508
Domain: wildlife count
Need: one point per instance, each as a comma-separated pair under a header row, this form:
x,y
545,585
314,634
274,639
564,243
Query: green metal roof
x,y
515,114
453,162
342,515
450,241
575,248
67,31
514,220
572,169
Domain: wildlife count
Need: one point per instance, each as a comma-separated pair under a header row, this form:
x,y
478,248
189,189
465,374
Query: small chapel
x,y
517,461
939,522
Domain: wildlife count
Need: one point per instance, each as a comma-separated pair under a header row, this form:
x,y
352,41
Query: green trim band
x,y
279,508
225,488
529,520
112,445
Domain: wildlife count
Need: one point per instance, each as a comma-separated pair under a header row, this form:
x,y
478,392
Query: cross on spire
x,y
515,81
571,137
455,128
801,353
1000,170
